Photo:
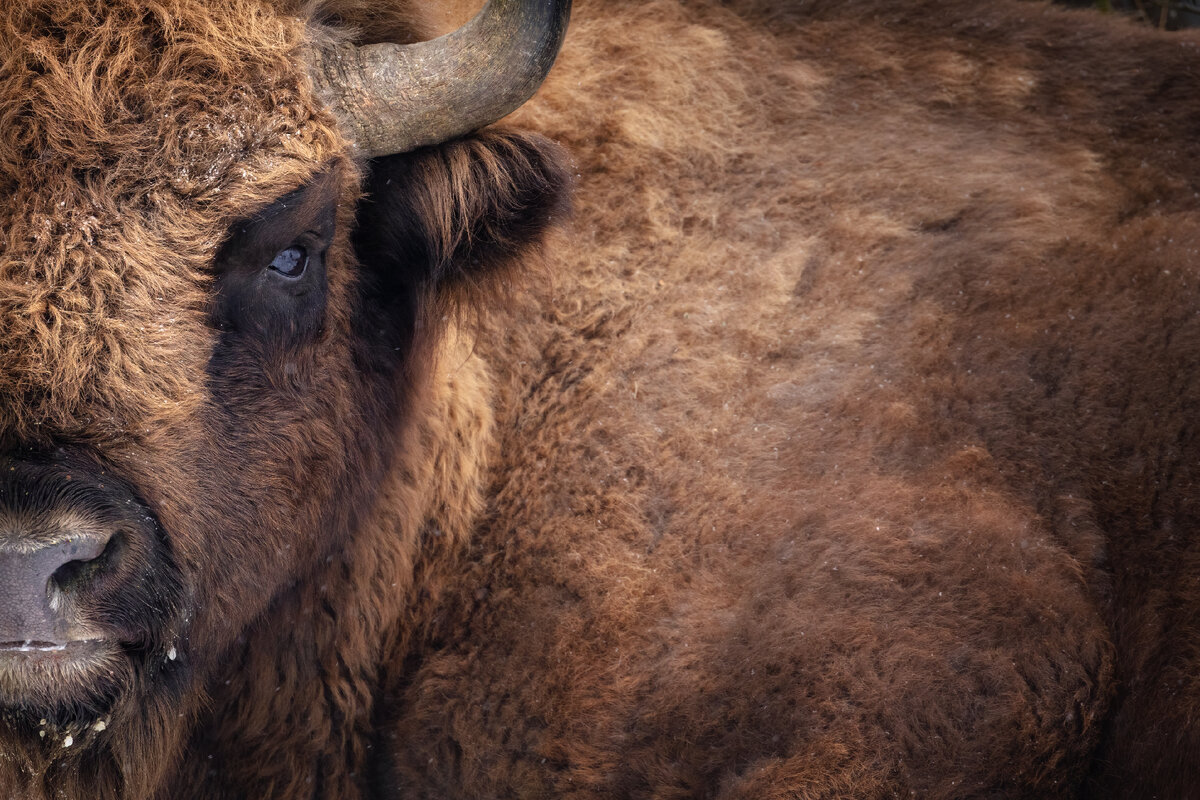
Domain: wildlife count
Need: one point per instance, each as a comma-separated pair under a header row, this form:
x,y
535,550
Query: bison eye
x,y
291,262
271,287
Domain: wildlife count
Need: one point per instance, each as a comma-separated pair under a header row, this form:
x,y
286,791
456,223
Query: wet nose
x,y
32,581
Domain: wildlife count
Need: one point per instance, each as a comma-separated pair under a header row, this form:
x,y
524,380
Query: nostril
x,y
94,557
33,582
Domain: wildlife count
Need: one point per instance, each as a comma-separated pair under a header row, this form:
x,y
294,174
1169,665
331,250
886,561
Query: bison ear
x,y
449,218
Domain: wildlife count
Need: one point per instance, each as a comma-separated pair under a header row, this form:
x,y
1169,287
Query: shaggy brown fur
x,y
843,448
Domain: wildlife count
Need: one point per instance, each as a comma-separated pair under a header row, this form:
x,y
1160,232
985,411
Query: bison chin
x,y
103,740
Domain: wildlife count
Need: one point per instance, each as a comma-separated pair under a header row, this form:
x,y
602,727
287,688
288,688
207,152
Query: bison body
x,y
838,443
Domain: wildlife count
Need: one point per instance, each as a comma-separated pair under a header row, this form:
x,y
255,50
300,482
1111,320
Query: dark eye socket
x,y
291,262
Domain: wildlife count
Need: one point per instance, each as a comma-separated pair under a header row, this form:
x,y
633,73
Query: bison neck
x,y
294,709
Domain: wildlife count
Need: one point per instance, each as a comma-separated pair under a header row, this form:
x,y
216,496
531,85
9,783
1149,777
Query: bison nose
x,y
33,582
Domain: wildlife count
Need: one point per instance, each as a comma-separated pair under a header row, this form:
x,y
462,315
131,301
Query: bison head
x,y
228,237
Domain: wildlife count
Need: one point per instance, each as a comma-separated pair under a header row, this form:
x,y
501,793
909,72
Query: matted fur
x,y
841,448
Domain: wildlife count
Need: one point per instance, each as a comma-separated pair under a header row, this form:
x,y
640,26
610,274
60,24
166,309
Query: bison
x,y
815,420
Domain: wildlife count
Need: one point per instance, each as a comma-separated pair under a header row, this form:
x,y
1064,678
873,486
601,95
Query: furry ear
x,y
452,217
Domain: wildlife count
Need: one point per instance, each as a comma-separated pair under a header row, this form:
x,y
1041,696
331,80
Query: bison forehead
x,y
131,135
174,95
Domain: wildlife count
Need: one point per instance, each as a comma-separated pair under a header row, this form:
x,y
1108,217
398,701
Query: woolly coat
x,y
837,445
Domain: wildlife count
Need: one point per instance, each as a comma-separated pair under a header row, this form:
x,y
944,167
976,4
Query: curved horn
x,y
392,98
